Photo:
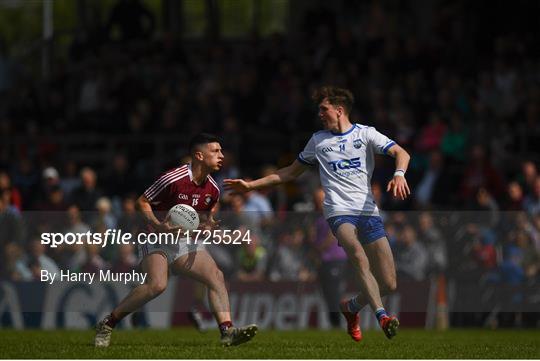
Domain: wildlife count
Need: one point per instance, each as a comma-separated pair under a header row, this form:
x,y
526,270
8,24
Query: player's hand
x,y
398,187
167,227
209,224
236,185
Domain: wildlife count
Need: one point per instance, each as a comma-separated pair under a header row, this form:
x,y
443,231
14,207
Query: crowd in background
x,y
469,116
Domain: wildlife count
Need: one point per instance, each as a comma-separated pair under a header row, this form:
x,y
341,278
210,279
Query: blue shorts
x,y
370,228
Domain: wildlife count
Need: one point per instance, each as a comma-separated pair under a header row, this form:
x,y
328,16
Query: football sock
x,y
111,321
353,305
380,313
224,326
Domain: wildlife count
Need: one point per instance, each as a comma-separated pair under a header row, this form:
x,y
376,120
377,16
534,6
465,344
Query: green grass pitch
x,y
186,343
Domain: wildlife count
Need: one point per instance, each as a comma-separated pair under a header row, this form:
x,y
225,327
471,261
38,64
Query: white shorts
x,y
171,251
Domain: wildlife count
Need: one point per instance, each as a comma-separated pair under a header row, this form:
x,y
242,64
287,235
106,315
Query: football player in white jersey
x,y
344,153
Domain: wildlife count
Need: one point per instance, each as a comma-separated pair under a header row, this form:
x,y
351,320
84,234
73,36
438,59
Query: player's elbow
x,y
142,203
402,154
139,202
406,155
286,175
291,172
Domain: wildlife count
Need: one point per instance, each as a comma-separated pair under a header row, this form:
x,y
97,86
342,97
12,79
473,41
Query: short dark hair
x,y
335,96
200,139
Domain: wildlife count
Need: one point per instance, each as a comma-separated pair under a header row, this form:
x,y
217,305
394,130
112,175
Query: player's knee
x,y
360,262
157,288
218,277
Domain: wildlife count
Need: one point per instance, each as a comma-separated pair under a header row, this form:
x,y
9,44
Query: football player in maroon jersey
x,y
189,184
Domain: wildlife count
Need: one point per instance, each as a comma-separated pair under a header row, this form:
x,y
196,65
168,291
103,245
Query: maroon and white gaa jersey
x,y
176,186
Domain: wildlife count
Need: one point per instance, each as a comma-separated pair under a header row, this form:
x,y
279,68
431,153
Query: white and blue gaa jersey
x,y
346,162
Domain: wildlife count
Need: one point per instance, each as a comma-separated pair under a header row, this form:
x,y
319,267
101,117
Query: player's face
x,y
329,115
212,156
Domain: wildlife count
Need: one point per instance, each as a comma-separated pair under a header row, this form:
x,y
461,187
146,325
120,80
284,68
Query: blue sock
x,y
380,313
353,305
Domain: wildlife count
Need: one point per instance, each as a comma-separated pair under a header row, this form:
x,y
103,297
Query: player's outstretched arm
x,y
398,185
282,175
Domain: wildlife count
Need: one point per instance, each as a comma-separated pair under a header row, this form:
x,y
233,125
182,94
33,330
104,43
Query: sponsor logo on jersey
x,y
345,164
357,143
183,196
327,149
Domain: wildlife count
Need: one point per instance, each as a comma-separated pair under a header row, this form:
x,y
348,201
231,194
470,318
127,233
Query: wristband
x,y
399,173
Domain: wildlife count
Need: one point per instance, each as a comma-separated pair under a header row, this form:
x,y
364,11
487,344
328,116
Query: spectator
x,y
15,195
26,179
54,201
514,201
86,196
535,232
531,257
532,201
431,135
234,219
129,220
290,262
14,264
39,261
70,181
479,173
238,217
275,195
512,277
118,181
11,223
228,170
69,256
455,140
528,176
462,266
258,209
411,256
523,224
7,197
75,223
484,253
332,261
126,261
435,183
431,236
51,215
51,179
252,260
93,260
489,209
105,216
